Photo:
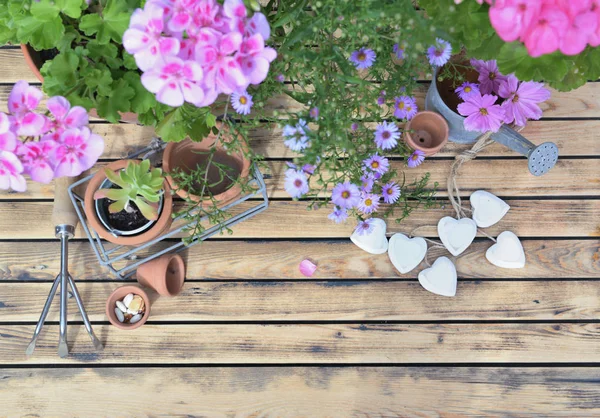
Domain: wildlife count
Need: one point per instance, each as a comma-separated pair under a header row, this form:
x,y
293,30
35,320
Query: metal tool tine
x,y
43,316
86,321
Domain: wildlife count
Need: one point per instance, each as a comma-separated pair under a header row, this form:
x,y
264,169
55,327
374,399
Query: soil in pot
x,y
223,171
123,220
447,86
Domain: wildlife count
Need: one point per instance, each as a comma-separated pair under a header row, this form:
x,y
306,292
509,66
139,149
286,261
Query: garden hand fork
x,y
65,220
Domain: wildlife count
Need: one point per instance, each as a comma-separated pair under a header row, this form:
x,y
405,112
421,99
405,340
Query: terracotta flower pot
x,y
188,155
162,224
119,294
165,274
426,131
34,61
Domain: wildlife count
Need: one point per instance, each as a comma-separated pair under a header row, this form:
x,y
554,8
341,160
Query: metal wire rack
x,y
123,261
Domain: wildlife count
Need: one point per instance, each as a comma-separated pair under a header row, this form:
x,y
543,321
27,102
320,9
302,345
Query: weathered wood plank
x,y
310,344
328,301
277,260
527,218
501,177
302,392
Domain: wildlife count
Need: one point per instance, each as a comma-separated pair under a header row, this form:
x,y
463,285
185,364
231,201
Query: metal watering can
x,y
540,158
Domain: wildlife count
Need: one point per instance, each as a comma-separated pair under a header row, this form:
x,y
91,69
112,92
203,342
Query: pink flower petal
x,y
307,268
192,71
8,141
170,94
234,9
230,43
154,81
31,124
59,107
135,40
179,21
76,118
23,98
4,122
259,24
192,92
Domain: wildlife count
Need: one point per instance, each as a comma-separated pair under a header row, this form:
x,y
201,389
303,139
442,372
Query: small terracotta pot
x,y
119,294
165,274
187,155
162,224
426,131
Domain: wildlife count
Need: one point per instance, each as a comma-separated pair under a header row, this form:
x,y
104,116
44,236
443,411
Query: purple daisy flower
x,y
398,51
296,183
367,182
377,163
365,227
482,113
386,135
405,108
345,195
280,78
490,77
296,137
466,89
381,100
338,215
390,192
241,102
363,58
439,54
369,203
314,113
354,126
416,158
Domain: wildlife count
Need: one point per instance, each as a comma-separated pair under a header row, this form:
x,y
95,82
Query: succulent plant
x,y
137,184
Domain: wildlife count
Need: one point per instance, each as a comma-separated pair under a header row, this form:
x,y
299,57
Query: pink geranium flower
x,y
546,30
175,82
144,37
522,100
255,59
77,151
582,25
490,77
222,69
511,18
482,113
23,98
10,172
181,15
65,116
37,160
8,140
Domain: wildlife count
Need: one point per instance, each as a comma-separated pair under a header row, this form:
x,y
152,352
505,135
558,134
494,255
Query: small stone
x,y
136,304
132,312
135,319
120,315
127,299
121,306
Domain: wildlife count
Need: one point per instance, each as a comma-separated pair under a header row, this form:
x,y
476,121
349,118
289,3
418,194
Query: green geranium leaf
x,y
47,10
110,25
98,80
40,34
172,127
63,68
106,52
143,99
118,101
129,61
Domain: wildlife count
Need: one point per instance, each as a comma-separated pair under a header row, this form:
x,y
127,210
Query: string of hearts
x,y
456,234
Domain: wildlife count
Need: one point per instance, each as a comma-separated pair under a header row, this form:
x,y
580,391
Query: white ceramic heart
x,y
440,278
457,235
375,242
487,208
507,252
406,253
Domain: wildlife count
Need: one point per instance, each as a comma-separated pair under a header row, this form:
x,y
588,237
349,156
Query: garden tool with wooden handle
x,y
65,220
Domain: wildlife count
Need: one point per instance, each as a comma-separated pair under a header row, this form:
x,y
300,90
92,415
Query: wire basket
x,y
124,260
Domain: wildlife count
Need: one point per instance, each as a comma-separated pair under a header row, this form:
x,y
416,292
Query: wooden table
x,y
250,336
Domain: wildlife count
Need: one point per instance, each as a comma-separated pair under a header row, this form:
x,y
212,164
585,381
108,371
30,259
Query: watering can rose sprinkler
x,y
541,158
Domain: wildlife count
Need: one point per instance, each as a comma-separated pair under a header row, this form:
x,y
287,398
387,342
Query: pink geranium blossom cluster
x,y
56,144
193,50
481,107
546,26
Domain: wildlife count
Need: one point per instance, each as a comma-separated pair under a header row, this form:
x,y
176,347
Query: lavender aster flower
x,y
405,108
241,102
354,126
314,113
367,182
416,158
439,54
296,183
280,78
398,51
363,58
296,136
386,135
390,192
365,227
381,100
377,163
345,195
369,203
466,89
338,215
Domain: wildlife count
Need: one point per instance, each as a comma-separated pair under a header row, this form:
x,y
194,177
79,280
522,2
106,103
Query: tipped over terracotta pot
x,y
187,156
164,274
426,131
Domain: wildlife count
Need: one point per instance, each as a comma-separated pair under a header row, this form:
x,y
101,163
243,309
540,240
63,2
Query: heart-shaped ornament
x,y
406,253
440,278
507,252
457,235
487,208
375,242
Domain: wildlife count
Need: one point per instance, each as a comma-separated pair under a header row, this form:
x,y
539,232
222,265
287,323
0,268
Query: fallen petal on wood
x,y
307,268
487,208
507,253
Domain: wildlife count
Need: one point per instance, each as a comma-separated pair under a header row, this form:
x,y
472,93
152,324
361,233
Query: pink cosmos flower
x,y
37,160
481,112
511,18
522,100
546,30
77,151
144,38
10,172
175,81
489,77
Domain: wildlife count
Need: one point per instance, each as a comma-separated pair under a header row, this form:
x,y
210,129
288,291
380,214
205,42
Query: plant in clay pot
x,y
129,203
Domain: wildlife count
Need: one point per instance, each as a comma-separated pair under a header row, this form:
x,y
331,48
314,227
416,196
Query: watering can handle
x,y
64,212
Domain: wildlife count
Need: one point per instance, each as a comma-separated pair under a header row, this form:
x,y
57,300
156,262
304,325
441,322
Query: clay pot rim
x,y
428,151
162,223
162,287
111,305
229,194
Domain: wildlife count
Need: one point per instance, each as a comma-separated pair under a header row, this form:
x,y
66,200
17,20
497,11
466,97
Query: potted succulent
x,y
129,203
